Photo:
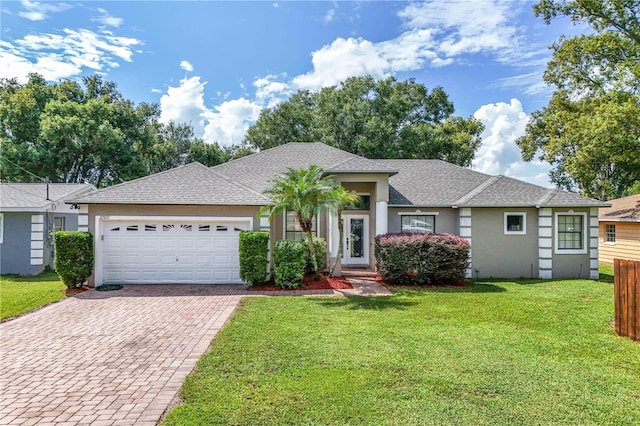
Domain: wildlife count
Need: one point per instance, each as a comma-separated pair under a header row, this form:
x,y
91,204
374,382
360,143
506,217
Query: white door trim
x,y
98,232
346,259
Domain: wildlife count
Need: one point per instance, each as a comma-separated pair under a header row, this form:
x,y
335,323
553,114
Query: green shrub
x,y
421,258
321,254
73,256
254,256
289,262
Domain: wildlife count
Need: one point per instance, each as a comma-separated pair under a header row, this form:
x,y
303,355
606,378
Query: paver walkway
x,y
118,357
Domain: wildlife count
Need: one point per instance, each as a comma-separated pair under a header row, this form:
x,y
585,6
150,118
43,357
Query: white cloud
x,y
185,103
230,120
531,83
186,66
329,16
64,54
275,5
499,154
37,11
225,123
106,19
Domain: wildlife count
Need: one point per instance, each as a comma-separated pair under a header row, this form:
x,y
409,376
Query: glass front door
x,y
356,240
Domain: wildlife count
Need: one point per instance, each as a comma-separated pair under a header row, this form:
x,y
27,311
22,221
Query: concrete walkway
x,y
118,357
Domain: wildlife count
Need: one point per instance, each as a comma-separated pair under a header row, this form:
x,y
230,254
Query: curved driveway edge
x,y
107,358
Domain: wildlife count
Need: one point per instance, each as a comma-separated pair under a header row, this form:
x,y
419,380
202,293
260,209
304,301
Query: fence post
x,y
626,281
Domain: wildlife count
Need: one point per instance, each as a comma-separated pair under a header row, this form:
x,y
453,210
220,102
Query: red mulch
x,y
454,285
72,291
308,283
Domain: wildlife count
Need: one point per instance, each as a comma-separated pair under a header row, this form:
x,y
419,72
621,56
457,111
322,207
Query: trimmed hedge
x,y
73,256
421,258
254,256
289,258
321,254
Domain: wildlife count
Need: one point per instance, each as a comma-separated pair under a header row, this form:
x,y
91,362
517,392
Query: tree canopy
x,y
71,132
373,118
590,131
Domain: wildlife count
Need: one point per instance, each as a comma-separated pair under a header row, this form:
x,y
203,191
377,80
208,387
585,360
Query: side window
x,y
515,223
293,231
610,233
571,233
59,223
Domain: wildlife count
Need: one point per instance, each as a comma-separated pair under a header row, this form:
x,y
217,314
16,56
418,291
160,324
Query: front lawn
x,y
526,352
23,294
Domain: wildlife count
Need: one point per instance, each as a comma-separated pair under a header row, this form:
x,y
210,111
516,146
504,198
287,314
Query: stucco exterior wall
x,y
571,265
446,219
495,254
15,250
626,246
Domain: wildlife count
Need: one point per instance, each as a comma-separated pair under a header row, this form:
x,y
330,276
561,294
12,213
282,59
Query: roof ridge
x,y
478,189
228,179
551,192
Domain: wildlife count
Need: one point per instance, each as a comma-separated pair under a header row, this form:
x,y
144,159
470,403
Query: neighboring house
x,y
620,230
181,225
29,215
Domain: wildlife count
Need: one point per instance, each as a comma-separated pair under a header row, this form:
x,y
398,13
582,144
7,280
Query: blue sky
x,y
217,64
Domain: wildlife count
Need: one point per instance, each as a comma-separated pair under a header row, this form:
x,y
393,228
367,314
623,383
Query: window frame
x,y
416,214
63,221
285,215
523,231
557,249
610,234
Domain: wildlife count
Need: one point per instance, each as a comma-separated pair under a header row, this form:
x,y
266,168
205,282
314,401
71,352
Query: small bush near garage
x,y
321,254
74,256
419,259
289,258
254,256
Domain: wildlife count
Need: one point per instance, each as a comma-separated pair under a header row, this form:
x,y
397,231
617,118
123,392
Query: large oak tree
x,y
590,131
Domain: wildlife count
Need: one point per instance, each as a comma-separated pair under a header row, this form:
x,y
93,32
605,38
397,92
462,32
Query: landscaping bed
x,y
308,283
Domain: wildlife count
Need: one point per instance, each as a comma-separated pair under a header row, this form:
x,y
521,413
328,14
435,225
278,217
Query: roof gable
x,y
191,184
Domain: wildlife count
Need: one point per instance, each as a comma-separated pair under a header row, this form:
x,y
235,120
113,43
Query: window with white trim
x,y
293,230
610,233
418,223
571,233
59,223
515,223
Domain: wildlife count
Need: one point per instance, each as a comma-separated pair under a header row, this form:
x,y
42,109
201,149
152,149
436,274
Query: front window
x,y
294,230
570,233
610,233
364,203
58,223
418,223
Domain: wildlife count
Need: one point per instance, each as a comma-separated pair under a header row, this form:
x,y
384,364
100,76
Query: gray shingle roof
x,y
33,196
192,184
256,171
421,183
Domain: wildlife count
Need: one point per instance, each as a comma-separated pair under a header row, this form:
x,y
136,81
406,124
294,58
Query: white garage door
x,y
151,252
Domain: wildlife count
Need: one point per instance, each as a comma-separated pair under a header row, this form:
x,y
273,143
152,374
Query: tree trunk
x,y
340,243
312,254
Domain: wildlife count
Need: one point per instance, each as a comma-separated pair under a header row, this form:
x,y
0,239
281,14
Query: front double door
x,y
356,240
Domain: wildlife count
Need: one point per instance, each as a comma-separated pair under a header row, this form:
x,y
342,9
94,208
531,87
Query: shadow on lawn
x,y
368,303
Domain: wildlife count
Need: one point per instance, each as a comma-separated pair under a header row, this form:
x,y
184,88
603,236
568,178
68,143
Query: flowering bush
x,y
421,258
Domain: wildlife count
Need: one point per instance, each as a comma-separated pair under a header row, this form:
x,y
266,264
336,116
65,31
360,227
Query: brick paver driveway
x,y
108,358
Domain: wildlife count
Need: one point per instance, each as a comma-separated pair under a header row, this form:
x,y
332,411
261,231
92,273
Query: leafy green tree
x,y
590,131
373,118
303,192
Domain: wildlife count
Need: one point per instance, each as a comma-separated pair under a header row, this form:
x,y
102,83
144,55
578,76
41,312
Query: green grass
x,y
497,353
23,294
606,273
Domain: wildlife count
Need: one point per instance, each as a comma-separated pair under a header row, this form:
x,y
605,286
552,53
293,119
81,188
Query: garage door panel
x,y
171,252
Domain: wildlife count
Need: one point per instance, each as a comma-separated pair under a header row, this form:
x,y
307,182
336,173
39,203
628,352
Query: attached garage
x,y
158,250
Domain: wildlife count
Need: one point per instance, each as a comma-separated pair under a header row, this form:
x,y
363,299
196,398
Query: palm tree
x,y
303,192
